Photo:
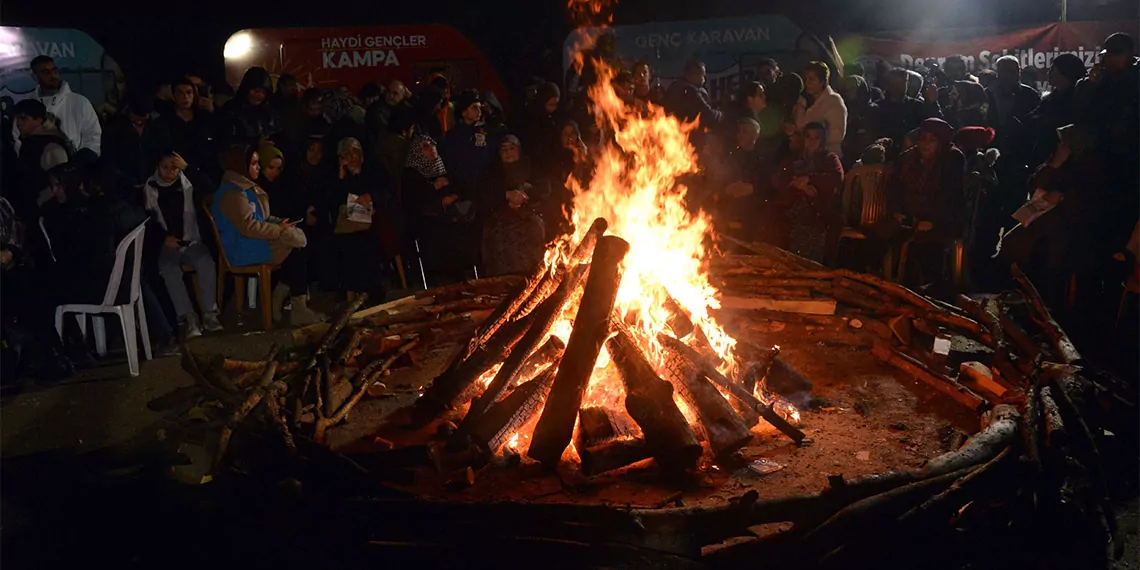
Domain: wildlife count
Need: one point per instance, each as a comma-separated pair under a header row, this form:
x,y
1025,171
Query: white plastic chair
x,y
125,312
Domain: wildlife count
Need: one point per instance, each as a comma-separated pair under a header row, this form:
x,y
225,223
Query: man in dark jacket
x,y
688,99
192,134
1011,103
467,149
898,114
249,118
131,145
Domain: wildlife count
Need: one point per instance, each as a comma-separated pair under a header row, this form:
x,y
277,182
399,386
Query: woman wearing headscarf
x,y
1059,106
354,261
440,213
250,235
513,236
810,184
924,196
1073,237
250,118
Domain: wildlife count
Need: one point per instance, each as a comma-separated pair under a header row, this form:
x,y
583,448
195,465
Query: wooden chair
x,y
263,272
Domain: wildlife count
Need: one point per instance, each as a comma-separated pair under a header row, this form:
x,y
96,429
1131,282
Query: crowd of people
x,y
885,170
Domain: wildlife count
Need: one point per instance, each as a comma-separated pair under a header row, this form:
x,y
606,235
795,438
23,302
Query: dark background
x,y
156,42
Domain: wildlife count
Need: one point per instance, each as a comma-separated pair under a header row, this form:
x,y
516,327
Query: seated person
x,y
353,259
924,198
250,235
513,237
740,203
441,213
173,211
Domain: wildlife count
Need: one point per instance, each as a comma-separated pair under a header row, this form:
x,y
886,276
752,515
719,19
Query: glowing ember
x,y
513,443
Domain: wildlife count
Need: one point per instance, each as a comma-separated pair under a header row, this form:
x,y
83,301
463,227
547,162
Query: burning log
x,y
543,318
1063,346
735,390
613,454
549,353
581,254
508,416
679,321
598,424
448,389
921,371
555,426
649,401
726,431
784,257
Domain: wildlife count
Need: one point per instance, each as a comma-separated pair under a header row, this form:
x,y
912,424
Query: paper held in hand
x,y
359,208
1036,207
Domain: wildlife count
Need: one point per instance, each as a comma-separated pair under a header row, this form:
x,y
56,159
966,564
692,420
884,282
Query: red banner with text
x,y
1034,48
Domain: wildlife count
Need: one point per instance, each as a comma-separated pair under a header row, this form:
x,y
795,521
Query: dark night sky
x,y
520,37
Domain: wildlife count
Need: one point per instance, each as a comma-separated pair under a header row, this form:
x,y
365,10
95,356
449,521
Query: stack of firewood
x,y
332,366
1035,367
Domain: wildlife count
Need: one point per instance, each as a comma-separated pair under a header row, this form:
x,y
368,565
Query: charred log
x,y
555,426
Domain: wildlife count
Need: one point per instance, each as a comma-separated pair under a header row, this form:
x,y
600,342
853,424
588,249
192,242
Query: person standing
x,y
73,113
43,146
249,118
688,99
190,123
821,104
810,184
131,146
897,114
467,150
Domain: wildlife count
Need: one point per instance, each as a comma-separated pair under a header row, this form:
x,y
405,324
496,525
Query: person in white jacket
x,y
73,113
826,106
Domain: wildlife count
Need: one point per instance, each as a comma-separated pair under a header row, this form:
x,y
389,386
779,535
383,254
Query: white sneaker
x,y
189,327
211,323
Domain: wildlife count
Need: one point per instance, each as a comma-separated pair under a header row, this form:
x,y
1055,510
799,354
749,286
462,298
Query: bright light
x,y
238,45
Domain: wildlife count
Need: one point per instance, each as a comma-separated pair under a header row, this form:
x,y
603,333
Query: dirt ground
x,y
865,418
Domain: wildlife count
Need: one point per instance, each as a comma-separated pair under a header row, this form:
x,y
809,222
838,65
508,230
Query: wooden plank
x,y
806,306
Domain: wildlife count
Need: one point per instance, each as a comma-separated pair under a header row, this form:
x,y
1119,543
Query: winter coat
x,y
894,119
129,157
241,211
830,111
154,185
687,101
39,152
930,193
468,150
75,117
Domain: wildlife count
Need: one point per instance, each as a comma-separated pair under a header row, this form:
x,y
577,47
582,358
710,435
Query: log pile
x,y
309,389
1034,472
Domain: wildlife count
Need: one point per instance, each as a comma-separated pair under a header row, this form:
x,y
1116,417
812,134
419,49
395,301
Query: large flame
x,y
635,188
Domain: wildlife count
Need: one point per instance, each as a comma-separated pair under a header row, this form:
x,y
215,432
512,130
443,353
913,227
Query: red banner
x,y
1034,48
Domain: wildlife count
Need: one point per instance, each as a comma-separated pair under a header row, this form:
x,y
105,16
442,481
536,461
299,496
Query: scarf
x,y
189,215
430,169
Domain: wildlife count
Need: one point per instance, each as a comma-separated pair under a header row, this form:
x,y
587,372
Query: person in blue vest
x,y
250,235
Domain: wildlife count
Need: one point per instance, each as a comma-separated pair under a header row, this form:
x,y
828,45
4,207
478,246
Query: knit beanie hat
x,y
465,99
266,153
